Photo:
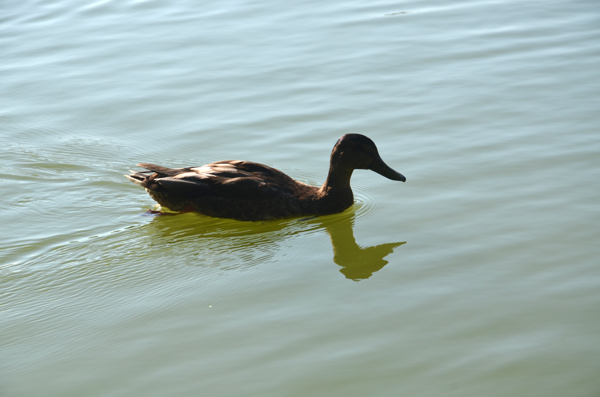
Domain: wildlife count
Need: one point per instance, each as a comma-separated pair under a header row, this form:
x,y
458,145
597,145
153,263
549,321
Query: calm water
x,y
480,276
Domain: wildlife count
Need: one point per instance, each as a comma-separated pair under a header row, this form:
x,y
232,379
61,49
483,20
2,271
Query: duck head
x,y
355,151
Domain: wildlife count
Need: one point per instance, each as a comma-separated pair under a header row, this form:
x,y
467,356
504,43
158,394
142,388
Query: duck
x,y
248,191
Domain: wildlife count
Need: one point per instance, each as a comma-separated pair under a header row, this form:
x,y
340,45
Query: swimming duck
x,y
249,191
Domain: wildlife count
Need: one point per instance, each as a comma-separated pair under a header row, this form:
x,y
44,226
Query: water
x,y
478,276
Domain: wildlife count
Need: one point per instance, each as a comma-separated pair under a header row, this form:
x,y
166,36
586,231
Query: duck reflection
x,y
357,263
259,240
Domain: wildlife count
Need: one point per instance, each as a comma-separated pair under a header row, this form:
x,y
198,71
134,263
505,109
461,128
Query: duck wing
x,y
232,179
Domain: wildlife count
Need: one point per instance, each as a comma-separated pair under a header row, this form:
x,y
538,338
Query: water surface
x,y
478,276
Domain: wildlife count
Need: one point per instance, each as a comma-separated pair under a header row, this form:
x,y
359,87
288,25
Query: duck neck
x,y
337,186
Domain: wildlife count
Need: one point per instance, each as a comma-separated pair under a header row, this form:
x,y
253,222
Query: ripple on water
x,y
370,201
197,240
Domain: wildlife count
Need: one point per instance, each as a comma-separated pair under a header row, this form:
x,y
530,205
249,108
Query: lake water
x,y
479,276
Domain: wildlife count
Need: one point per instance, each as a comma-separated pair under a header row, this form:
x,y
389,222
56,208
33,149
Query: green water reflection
x,y
358,263
246,244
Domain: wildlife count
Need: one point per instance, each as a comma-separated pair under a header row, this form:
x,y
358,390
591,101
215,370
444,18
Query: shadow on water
x,y
252,243
358,263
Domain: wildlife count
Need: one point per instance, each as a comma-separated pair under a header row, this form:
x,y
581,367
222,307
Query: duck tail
x,y
147,179
139,178
162,171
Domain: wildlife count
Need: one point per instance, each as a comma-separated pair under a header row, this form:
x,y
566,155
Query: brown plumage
x,y
250,191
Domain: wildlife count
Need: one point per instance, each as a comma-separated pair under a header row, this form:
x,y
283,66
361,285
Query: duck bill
x,y
383,169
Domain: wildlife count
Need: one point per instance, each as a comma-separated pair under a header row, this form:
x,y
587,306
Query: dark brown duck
x,y
250,191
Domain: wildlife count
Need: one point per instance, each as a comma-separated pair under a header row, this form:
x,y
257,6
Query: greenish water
x,y
479,276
